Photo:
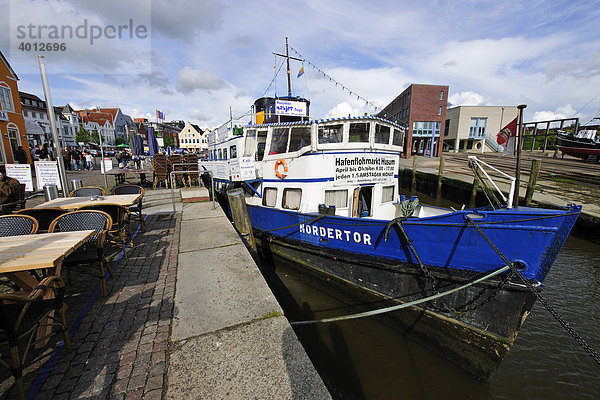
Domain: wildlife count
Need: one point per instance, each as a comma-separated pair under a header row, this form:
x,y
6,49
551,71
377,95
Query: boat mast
x,y
287,57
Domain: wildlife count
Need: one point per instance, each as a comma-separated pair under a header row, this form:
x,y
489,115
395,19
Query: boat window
x,y
359,132
382,134
220,154
331,133
279,140
269,197
299,138
387,194
233,151
291,199
261,140
250,144
398,138
337,198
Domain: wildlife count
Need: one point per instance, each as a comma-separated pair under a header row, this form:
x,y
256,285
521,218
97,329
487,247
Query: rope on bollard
x,y
404,305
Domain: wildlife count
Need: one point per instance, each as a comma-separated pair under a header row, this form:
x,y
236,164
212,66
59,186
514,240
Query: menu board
x,y
22,173
46,173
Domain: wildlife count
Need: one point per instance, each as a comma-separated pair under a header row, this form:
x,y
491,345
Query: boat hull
x,y
478,351
474,327
577,147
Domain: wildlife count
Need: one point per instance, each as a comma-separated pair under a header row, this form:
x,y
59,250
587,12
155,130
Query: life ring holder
x,y
281,162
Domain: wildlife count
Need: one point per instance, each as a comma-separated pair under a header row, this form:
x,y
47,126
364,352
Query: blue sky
x,y
202,57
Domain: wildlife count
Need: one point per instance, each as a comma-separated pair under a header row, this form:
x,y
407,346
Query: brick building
x,y
421,109
12,124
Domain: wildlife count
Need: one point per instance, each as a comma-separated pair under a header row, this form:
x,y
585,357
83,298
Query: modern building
x,y
422,110
475,128
12,123
192,138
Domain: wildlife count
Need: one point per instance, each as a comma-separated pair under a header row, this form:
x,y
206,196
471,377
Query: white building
x,y
193,138
37,124
475,128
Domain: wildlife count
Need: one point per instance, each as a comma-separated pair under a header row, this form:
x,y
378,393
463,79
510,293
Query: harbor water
x,y
368,359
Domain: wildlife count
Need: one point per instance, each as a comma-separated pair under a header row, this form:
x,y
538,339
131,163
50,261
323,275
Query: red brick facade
x,y
420,103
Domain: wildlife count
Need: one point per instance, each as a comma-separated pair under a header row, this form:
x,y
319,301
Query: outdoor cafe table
x,y
72,203
21,254
24,253
119,173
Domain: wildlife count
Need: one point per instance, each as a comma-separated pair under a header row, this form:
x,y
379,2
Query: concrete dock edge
x,y
229,337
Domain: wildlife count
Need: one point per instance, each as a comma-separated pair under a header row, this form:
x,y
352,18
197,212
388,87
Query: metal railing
x,y
478,163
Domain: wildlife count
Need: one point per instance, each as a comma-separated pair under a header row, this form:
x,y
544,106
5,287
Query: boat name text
x,y
338,234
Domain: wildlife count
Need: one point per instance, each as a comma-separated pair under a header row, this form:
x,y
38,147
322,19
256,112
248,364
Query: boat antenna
x,y
287,57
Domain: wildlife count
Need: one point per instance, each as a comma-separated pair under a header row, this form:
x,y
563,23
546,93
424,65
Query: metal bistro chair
x,y
93,250
160,169
15,225
135,209
87,191
120,230
44,216
20,317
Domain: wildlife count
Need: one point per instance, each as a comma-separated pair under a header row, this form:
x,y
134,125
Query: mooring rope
x,y
401,306
586,347
310,221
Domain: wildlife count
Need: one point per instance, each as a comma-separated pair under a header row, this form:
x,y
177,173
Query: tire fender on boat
x,y
281,162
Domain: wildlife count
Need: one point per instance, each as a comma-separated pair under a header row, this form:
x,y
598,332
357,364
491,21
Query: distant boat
x,y
585,144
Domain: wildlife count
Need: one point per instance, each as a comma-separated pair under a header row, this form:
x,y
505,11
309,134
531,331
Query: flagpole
x,y
519,144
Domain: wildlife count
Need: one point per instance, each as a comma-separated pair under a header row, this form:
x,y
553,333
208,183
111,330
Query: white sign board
x,y
46,173
22,173
368,168
247,169
3,116
106,165
160,141
234,169
286,107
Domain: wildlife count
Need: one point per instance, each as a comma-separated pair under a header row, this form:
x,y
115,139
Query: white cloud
x,y
199,115
566,111
191,79
466,99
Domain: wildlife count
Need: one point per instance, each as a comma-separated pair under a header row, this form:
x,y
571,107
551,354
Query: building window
x,y
440,110
447,127
426,128
269,197
6,99
13,137
387,194
477,129
441,95
291,199
359,132
337,198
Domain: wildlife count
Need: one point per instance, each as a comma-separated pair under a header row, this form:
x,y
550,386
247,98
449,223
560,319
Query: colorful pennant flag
x,y
301,72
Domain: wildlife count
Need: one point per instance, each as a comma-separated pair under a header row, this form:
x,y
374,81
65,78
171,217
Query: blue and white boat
x,y
324,194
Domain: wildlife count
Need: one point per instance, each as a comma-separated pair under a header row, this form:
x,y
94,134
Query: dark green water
x,y
366,359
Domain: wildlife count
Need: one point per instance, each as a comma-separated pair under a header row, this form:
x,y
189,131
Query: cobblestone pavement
x,y
119,342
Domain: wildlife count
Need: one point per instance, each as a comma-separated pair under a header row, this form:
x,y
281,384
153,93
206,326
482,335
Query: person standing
x,y
21,156
89,160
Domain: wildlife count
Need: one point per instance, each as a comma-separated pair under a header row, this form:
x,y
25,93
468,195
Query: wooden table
x,y
24,253
20,254
71,203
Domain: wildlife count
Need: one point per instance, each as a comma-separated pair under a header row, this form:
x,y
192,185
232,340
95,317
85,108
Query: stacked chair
x,y
192,167
174,160
160,168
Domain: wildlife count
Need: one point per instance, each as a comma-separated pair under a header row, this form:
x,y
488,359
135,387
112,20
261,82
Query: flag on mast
x,y
160,115
506,137
301,72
